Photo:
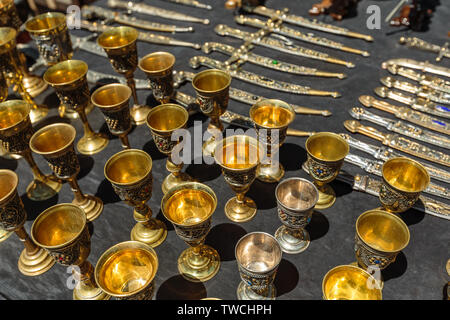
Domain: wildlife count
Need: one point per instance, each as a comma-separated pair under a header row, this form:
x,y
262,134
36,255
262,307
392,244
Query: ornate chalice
x,y
63,232
33,260
15,133
68,79
55,143
212,87
189,207
296,198
238,156
127,271
326,153
258,255
163,121
130,174
347,282
271,119
11,66
119,44
158,66
113,101
403,181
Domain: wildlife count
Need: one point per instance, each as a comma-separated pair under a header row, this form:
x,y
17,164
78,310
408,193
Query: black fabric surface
x,y
418,273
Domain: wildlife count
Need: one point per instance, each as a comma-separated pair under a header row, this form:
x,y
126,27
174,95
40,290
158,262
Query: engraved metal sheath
x,y
192,3
423,79
401,127
259,80
304,22
414,42
242,55
406,113
374,167
423,66
260,38
277,27
419,104
398,142
91,12
154,11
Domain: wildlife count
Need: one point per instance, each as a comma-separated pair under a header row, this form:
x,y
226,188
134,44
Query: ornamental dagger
x,y
419,104
384,154
374,167
192,3
257,79
154,11
423,79
414,42
275,25
403,128
260,38
398,142
242,55
405,113
418,65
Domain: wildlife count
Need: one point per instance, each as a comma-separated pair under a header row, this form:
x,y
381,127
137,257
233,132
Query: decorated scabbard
x,y
192,3
423,66
414,42
423,79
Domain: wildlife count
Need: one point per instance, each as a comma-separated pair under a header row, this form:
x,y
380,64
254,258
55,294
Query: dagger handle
x,y
369,102
356,127
298,133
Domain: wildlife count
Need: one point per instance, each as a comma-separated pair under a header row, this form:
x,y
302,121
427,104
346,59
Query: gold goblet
x,y
55,143
258,255
68,79
403,181
15,133
326,153
63,232
127,271
119,44
271,119
11,66
33,260
130,174
113,101
158,66
212,87
9,16
238,156
163,121
347,282
189,207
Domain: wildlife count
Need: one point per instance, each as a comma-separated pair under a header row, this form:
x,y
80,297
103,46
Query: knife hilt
x,y
369,102
298,133
356,127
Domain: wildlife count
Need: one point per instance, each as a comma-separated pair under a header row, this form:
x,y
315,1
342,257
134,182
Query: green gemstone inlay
x,y
274,61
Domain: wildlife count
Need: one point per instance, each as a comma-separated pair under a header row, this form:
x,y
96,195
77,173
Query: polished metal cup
x,y
325,155
63,232
403,181
189,207
258,255
271,119
158,66
212,87
55,143
127,271
130,174
33,260
51,35
296,198
113,101
348,282
163,121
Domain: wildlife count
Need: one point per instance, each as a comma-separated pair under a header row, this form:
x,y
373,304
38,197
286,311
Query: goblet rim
x,y
49,211
255,142
165,105
105,87
141,61
62,64
108,253
45,15
414,163
15,184
12,103
49,127
11,34
297,179
211,71
389,216
113,30
272,102
114,156
327,133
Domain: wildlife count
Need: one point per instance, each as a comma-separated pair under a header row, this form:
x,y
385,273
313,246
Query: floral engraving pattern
x,y
12,213
74,253
396,201
64,166
369,257
193,233
18,141
162,87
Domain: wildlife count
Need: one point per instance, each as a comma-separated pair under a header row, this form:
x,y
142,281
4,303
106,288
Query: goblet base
x,y
270,173
4,235
34,85
201,267
292,241
72,114
153,232
174,180
139,113
36,263
93,144
39,113
90,294
240,211
39,190
91,205
245,293
379,284
327,197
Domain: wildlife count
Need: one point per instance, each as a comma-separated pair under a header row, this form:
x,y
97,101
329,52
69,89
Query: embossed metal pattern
x,y
12,213
64,165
